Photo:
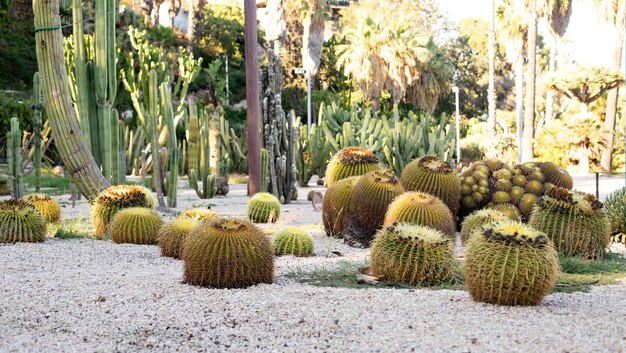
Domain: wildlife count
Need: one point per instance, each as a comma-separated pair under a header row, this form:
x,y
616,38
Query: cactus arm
x,y
172,145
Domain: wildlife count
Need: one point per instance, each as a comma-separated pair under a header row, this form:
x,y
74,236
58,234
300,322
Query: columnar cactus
x,y
21,222
199,138
574,221
14,154
350,161
200,214
421,209
115,198
293,241
479,218
336,205
433,176
509,263
135,225
49,208
172,236
37,127
413,254
263,208
371,196
228,253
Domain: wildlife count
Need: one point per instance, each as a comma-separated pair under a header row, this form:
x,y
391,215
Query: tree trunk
x,y
611,105
312,40
529,114
550,93
252,98
191,22
66,131
519,103
491,121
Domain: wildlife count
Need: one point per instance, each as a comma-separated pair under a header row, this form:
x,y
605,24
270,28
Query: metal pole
x,y
624,58
308,101
252,98
227,88
458,127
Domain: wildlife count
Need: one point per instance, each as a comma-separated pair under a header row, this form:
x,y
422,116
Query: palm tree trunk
x,y
550,93
252,97
312,40
519,102
66,130
191,22
491,121
529,114
611,105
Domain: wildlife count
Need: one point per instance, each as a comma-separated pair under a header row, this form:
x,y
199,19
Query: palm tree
x,y
491,96
612,11
558,20
313,36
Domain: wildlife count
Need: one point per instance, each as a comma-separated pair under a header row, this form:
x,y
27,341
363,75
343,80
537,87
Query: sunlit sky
x,y
587,41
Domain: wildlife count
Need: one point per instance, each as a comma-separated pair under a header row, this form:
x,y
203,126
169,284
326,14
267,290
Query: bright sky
x,y
588,42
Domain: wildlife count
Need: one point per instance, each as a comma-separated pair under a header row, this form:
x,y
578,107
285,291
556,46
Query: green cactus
x,y
200,152
574,221
433,176
509,210
21,222
479,218
474,187
509,263
14,154
264,169
228,253
421,209
172,235
336,206
172,144
37,128
200,214
135,225
115,198
371,196
49,208
556,175
350,161
526,183
293,241
413,254
615,207
263,208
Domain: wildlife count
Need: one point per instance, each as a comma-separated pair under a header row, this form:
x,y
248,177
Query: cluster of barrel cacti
x,y
26,219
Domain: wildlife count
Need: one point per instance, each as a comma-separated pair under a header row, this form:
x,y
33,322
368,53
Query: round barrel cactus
x,y
556,175
49,208
263,208
135,225
433,176
413,254
115,198
228,253
422,209
371,196
172,235
350,161
474,181
509,210
336,205
200,214
575,221
478,219
615,206
521,186
21,222
510,263
293,241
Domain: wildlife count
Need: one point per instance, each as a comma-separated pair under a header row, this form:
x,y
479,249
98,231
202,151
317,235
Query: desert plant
x,y
21,222
263,208
478,219
172,236
371,196
433,176
200,214
336,205
509,210
350,161
574,221
413,254
14,159
521,186
615,207
421,209
49,208
115,198
509,263
556,175
135,225
293,241
474,186
228,253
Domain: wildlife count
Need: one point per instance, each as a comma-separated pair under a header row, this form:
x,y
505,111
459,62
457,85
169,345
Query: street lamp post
x,y
455,89
303,71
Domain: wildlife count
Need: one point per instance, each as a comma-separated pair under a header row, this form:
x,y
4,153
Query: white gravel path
x,y
96,296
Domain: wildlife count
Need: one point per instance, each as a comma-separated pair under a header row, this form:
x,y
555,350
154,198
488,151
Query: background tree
x,y
315,12
558,20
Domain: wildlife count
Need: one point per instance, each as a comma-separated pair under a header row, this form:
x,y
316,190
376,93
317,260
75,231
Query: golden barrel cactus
x,y
49,208
135,225
433,176
336,205
421,209
172,235
350,161
263,208
115,198
21,222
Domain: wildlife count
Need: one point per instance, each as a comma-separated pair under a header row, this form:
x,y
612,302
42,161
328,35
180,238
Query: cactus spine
x,y
172,144
200,152
14,150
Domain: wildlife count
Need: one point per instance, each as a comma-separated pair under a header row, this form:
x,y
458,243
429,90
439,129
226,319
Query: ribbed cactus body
x,y
509,263
371,196
49,208
336,205
172,235
479,218
474,182
263,208
200,214
21,222
350,161
228,253
135,225
421,209
293,241
509,210
433,176
615,207
413,254
556,175
115,198
574,221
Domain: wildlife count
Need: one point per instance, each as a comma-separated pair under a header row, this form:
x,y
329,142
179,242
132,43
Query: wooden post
x,y
252,97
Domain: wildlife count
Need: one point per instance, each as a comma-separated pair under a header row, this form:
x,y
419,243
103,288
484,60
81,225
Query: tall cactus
x,y
14,154
152,123
200,152
172,144
37,127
